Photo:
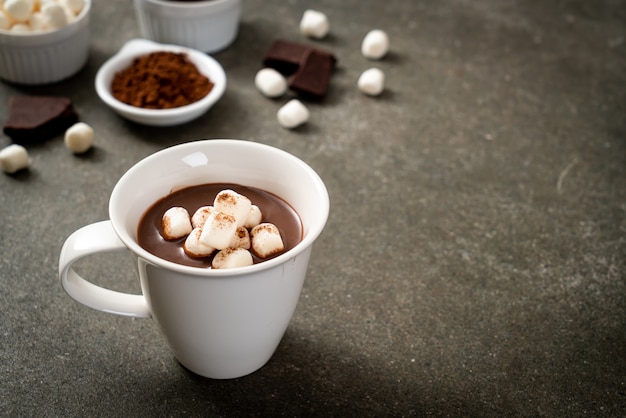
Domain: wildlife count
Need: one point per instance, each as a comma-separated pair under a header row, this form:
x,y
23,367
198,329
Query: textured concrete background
x,y
473,263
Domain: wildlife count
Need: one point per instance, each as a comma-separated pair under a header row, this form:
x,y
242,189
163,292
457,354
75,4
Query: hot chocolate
x,y
274,210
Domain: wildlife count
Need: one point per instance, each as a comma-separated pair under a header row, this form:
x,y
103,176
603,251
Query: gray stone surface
x,y
473,263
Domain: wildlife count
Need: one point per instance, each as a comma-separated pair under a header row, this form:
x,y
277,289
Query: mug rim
x,y
130,239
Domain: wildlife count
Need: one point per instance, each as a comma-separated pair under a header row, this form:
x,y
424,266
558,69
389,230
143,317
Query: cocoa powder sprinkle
x,y
160,80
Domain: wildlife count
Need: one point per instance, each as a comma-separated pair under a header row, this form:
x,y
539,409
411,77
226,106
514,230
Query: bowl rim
x,y
137,47
46,34
184,5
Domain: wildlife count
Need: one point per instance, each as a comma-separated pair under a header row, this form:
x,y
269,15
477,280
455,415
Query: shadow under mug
x,y
218,323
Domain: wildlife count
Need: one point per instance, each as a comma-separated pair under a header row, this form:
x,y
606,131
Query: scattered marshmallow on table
x,y
270,82
375,44
193,247
176,223
372,81
14,158
265,240
79,137
292,114
314,24
231,258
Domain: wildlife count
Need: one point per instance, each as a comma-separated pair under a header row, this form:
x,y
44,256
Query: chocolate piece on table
x,y
37,118
286,57
312,78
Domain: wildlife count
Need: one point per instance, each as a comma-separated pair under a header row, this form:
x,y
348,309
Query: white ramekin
x,y
208,26
135,48
45,57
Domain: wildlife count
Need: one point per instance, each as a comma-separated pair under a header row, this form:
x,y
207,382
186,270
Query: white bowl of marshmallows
x,y
43,41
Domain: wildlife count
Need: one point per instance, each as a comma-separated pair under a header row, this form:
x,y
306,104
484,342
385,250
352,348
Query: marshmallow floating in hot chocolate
x,y
218,230
241,239
254,218
265,240
200,216
232,257
232,226
176,223
233,203
193,247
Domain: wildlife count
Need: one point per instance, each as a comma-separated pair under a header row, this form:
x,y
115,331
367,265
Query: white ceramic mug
x,y
218,323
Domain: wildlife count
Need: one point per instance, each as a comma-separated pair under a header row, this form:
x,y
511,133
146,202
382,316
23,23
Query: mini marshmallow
x,y
270,82
254,218
20,28
232,257
54,14
232,203
265,240
176,223
14,158
241,239
193,247
314,24
218,230
69,14
375,44
5,21
74,5
79,137
200,216
37,21
19,10
372,82
292,114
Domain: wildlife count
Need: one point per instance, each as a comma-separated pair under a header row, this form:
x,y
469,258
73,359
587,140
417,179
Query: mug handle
x,y
91,239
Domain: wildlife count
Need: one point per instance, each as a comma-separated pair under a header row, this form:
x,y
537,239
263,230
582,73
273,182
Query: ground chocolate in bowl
x,y
273,208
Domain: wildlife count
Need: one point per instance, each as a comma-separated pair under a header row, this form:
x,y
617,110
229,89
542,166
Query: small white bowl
x,y
207,25
48,56
159,117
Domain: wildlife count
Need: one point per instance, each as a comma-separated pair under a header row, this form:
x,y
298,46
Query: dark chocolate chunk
x,y
287,57
313,76
37,118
